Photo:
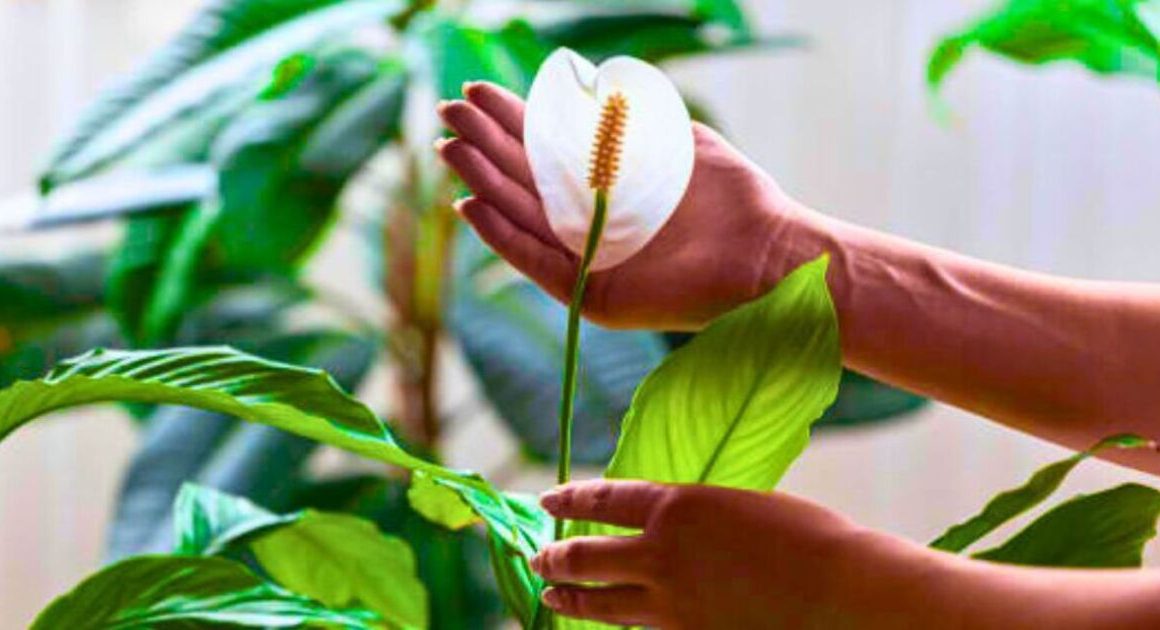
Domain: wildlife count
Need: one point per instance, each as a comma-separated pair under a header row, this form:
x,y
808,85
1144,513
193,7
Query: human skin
x,y
1068,360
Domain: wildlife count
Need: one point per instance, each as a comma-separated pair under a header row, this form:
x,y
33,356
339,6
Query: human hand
x,y
707,558
719,250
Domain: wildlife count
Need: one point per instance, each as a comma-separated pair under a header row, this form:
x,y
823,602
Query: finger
x,y
620,605
624,503
609,559
491,185
484,132
546,264
506,108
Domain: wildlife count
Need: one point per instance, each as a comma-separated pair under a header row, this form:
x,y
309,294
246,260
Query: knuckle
x,y
573,559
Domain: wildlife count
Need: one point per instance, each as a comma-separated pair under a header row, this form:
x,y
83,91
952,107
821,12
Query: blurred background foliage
x,y
260,131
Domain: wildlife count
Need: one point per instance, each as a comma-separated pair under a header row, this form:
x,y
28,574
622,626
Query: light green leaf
x,y
341,560
180,98
1104,530
1007,505
207,521
1106,36
160,591
439,504
734,406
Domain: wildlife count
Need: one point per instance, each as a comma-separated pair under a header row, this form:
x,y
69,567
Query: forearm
x,y
911,586
1071,361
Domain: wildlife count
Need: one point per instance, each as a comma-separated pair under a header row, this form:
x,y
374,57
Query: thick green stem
x,y
572,346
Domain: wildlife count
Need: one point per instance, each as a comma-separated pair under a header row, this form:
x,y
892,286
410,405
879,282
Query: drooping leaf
x,y
1106,36
340,560
734,407
1104,530
513,338
260,463
302,401
1007,505
170,109
164,591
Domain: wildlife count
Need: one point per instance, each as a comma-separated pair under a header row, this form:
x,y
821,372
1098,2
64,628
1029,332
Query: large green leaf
x,y
340,560
299,400
1104,530
452,52
1106,36
513,338
285,160
336,559
734,406
261,463
158,591
1011,503
171,108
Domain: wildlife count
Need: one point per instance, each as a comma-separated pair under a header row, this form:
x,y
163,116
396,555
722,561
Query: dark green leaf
x,y
1007,505
170,109
513,338
152,592
1104,530
1106,36
862,400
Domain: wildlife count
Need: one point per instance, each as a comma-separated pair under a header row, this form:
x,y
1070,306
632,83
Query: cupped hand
x,y
717,251
706,558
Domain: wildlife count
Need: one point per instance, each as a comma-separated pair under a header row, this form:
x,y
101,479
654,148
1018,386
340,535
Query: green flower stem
x,y
572,346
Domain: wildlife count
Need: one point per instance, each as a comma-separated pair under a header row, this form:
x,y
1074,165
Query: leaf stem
x,y
572,346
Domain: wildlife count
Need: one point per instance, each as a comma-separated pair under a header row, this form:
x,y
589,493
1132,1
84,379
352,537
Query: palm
x,y
706,260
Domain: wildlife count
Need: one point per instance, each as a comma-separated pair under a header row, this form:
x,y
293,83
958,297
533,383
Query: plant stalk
x,y
572,346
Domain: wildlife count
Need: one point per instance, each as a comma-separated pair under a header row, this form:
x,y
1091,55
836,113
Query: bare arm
x,y
1067,360
712,558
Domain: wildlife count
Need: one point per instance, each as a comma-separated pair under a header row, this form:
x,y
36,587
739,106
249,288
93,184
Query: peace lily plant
x,y
611,151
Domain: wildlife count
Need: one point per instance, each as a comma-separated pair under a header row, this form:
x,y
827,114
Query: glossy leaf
x,y
1104,530
342,560
302,401
734,407
1106,36
156,591
206,521
452,52
1007,505
170,109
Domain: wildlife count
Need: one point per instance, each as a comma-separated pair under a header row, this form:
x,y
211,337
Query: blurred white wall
x,y
1050,170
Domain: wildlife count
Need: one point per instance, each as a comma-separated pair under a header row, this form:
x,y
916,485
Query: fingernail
x,y
467,85
442,105
550,500
551,597
440,143
535,562
457,205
